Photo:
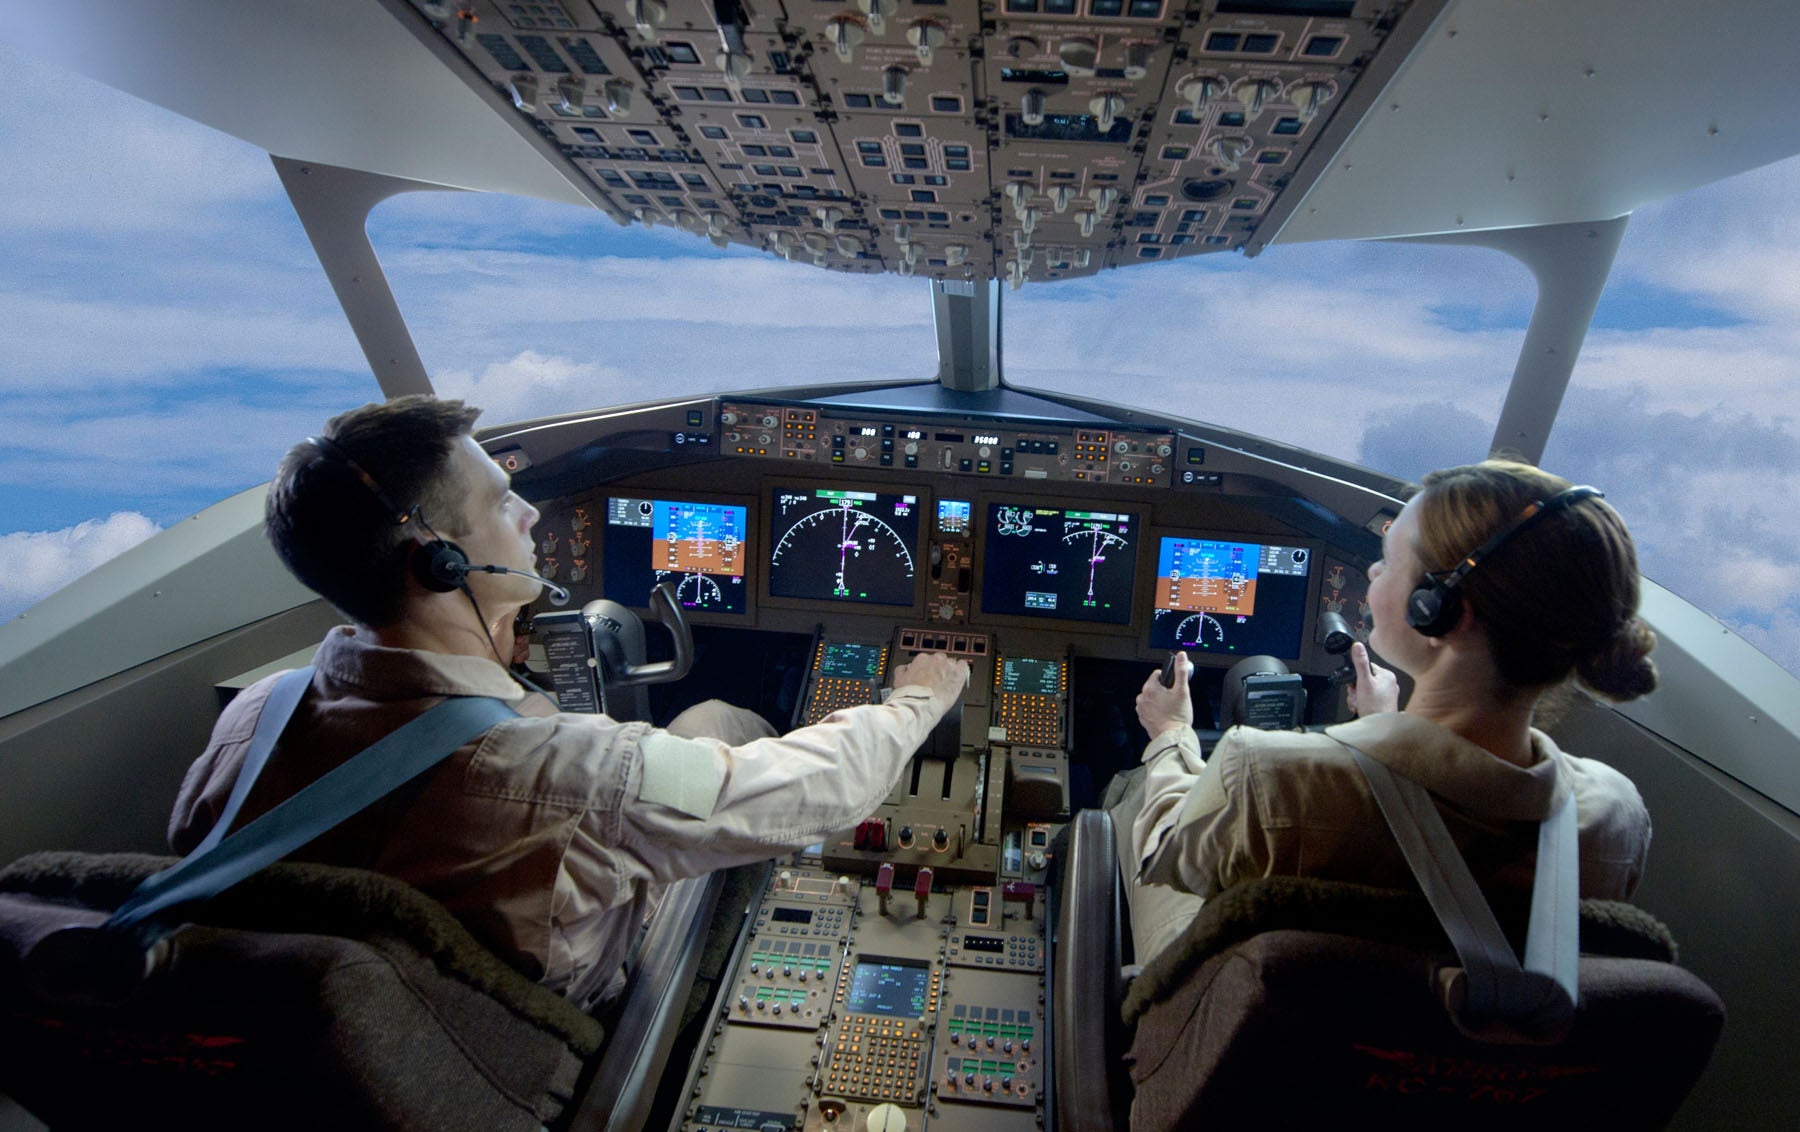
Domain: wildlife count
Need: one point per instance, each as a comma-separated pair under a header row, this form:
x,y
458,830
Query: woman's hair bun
x,y
1622,669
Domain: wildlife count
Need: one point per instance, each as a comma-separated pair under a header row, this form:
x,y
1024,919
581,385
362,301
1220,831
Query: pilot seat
x,y
1298,1002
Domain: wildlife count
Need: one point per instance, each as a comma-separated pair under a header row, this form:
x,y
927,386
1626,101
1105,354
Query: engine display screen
x,y
700,547
833,544
893,988
1236,598
1067,564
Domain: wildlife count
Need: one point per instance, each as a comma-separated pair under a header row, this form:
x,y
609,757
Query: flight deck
x,y
895,974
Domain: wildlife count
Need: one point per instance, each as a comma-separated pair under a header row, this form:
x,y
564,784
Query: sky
x,y
168,333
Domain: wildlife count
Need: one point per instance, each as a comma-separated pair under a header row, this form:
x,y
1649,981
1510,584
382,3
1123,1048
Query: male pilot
x,y
552,834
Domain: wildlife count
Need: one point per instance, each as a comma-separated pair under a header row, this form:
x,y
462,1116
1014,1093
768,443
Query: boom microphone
x,y
558,595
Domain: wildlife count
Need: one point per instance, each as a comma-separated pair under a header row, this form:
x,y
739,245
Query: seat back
x,y
306,996
1263,1011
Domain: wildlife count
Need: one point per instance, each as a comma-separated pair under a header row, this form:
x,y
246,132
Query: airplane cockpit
x,y
1064,554
785,549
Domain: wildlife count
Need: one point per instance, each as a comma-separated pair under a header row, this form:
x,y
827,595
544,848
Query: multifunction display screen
x,y
833,544
953,516
853,662
1031,677
1242,598
894,988
1067,564
700,547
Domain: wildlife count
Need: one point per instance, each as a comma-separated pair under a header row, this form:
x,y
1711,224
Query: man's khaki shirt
x,y
541,836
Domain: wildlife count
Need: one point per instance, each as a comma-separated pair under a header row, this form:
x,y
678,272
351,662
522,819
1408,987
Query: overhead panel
x,y
961,139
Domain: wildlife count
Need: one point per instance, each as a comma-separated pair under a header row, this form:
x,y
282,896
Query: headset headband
x,y
1533,513
1435,604
333,450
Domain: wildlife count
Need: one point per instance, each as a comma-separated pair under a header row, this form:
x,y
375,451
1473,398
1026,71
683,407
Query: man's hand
x,y
1160,708
945,677
1376,689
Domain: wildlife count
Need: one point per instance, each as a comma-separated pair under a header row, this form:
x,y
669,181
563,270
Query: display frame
x,y
1307,655
992,494
605,494
926,503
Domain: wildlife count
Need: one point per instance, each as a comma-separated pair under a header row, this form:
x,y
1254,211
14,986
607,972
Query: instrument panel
x,y
1104,535
893,975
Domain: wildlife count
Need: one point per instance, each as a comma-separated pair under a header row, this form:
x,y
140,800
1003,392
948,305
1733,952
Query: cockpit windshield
x,y
164,345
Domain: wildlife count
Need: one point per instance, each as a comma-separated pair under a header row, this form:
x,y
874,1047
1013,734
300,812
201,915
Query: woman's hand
x,y
1376,689
1160,708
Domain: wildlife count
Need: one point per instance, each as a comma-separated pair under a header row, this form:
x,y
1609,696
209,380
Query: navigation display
x,y
832,544
1066,564
698,546
891,987
1237,598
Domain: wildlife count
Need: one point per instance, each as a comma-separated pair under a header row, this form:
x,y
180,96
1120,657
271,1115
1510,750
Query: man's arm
x,y
702,805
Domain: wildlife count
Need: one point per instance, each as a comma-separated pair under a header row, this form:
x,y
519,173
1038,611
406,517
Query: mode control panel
x,y
1075,455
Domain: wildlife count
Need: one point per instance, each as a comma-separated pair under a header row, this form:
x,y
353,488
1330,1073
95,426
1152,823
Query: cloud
x,y
35,563
165,455
136,342
1778,639
1706,494
1424,438
532,384
68,137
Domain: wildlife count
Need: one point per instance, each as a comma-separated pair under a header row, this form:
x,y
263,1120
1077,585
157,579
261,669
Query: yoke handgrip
x,y
667,609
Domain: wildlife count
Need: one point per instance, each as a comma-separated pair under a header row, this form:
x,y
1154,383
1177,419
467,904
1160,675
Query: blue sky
x,y
168,334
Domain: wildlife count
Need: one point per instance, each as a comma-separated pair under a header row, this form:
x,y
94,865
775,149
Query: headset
x,y
1436,605
438,564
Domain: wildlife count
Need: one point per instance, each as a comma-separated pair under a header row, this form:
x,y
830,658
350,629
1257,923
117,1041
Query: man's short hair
x,y
336,533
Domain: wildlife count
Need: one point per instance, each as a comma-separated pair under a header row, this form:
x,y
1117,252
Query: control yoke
x,y
618,657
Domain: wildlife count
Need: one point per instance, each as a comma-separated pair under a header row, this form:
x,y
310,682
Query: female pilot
x,y
1496,583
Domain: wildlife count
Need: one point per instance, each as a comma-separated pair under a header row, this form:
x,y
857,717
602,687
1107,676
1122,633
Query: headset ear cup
x,y
440,566
1433,609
